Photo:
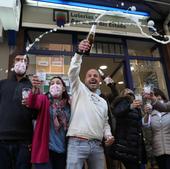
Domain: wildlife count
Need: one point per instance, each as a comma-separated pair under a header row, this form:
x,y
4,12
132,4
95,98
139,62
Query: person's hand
x,y
136,104
109,140
25,102
36,82
108,80
84,46
147,108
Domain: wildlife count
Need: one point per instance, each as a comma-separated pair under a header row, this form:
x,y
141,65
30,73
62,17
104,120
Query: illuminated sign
x,y
84,6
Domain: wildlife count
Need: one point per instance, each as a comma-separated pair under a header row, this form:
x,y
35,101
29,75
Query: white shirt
x,y
89,112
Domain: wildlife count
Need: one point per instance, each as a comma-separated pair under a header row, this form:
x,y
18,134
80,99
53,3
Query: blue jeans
x,y
80,151
14,156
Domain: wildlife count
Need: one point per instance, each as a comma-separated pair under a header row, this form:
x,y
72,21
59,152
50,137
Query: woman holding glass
x,y
129,145
159,122
156,103
49,139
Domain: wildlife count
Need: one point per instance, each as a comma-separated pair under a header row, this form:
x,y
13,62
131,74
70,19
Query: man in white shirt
x,y
89,118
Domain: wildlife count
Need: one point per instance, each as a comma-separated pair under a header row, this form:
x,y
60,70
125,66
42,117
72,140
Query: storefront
x,y
131,59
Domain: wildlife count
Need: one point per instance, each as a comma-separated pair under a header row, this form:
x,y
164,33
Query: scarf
x,y
59,112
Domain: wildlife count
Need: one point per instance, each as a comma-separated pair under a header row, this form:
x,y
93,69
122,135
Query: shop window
x,y
105,45
155,52
49,66
112,65
99,47
118,49
111,48
142,48
94,48
148,71
58,66
52,41
105,48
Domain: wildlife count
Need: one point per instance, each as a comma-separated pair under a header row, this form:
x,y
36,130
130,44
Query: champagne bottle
x,y
90,37
101,74
107,79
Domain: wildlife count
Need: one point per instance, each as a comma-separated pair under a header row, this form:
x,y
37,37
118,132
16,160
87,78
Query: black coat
x,y
129,145
15,119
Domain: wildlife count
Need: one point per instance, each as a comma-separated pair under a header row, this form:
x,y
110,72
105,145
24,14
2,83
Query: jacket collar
x,y
14,78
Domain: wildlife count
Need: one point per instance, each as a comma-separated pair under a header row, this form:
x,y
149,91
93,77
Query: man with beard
x,y
89,117
15,119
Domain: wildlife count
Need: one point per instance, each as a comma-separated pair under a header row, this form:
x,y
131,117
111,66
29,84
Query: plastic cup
x,y
42,79
148,89
25,92
138,97
41,76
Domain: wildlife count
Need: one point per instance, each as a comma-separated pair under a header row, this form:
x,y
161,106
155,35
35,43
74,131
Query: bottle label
x,y
90,38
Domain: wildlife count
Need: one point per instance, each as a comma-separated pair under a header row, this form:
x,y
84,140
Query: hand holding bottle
x,y
83,47
36,83
108,80
90,38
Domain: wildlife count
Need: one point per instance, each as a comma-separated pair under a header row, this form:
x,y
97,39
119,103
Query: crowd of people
x,y
86,127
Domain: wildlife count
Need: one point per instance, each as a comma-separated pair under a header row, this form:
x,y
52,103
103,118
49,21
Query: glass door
x,y
114,69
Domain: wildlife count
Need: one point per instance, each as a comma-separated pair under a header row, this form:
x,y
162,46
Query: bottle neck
x,y
101,74
93,29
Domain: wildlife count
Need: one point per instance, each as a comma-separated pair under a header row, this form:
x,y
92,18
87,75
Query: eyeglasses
x,y
21,59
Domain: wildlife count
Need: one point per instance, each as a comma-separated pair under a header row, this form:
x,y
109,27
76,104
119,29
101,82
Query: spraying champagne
x,y
90,37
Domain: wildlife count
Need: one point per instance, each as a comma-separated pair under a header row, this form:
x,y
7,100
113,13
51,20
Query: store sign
x,y
82,21
107,24
86,19
52,65
76,17
43,63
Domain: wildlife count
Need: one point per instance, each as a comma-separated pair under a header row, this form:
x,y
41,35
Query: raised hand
x,y
36,83
108,80
147,108
83,46
136,104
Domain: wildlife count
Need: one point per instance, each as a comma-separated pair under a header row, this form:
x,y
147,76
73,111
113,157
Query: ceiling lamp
x,y
103,67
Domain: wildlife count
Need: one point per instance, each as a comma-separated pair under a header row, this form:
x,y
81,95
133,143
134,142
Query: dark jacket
x,y
110,98
129,145
15,119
